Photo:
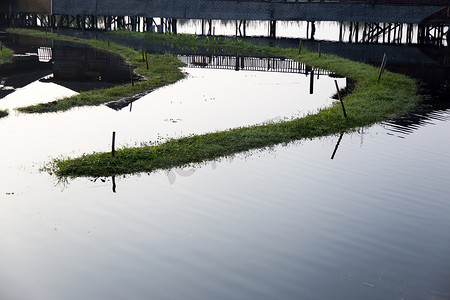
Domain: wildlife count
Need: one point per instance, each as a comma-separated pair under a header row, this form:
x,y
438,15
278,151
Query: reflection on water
x,y
434,107
290,223
351,32
280,223
75,66
73,62
244,63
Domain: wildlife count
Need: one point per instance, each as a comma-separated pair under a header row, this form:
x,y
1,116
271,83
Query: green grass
x,y
6,55
369,102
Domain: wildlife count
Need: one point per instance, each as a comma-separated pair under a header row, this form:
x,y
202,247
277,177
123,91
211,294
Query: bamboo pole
x,y
340,99
382,66
146,59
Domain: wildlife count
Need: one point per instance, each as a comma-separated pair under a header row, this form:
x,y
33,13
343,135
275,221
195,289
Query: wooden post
x,y
340,99
311,83
318,48
146,59
383,65
113,150
1,46
300,47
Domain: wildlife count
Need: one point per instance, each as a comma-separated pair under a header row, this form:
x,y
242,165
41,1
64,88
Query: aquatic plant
x,y
3,113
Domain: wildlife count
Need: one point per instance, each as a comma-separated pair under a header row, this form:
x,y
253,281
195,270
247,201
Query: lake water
x,y
287,222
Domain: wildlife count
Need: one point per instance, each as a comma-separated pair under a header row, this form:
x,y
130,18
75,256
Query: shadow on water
x,y
74,66
434,107
80,68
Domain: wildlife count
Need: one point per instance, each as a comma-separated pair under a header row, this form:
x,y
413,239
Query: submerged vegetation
x,y
370,102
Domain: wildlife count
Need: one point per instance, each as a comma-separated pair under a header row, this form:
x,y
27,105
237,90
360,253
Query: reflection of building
x,y
85,64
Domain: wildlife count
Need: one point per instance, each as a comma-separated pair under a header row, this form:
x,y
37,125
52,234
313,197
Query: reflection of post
x,y
337,145
311,83
113,179
146,59
313,29
113,143
131,76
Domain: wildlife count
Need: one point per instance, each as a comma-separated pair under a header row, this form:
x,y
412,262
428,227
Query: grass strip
x,y
163,69
370,102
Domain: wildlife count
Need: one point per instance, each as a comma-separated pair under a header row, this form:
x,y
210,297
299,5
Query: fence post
x,y
340,99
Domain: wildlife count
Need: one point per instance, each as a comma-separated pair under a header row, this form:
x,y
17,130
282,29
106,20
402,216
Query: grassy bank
x,y
6,55
370,102
163,70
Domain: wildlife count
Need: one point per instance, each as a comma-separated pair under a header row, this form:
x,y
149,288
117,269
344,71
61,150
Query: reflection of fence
x,y
249,64
45,54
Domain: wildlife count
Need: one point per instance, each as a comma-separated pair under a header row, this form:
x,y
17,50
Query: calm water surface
x,y
281,223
